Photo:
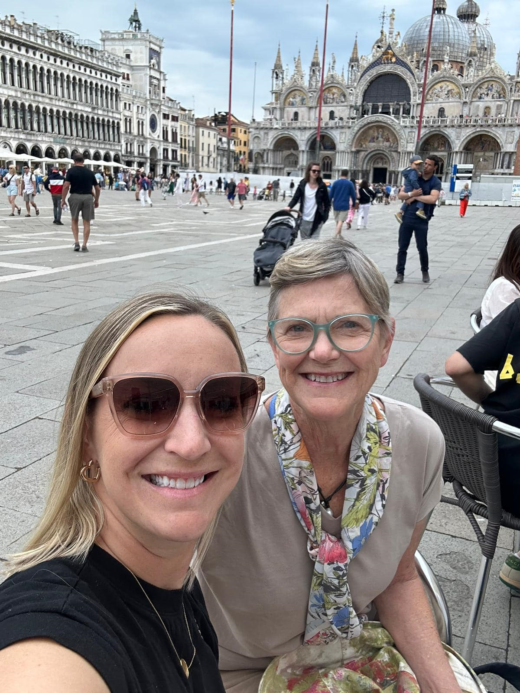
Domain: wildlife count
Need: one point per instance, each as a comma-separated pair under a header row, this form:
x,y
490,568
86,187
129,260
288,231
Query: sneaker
x,y
59,223
399,279
399,217
420,213
426,277
76,247
19,212
510,573
27,215
37,212
84,249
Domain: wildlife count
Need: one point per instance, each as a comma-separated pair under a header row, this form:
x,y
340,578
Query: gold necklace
x,y
185,667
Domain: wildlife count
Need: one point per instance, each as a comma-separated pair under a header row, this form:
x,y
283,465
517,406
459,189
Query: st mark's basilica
x,y
371,109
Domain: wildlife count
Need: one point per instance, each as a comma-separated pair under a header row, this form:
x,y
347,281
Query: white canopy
x,y
64,161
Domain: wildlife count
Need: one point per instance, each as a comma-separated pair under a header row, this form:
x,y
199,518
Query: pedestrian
x,y
231,188
179,186
151,186
387,193
242,192
186,184
12,181
135,184
254,193
219,185
54,184
84,198
144,189
39,179
171,184
464,196
201,192
366,197
276,189
29,190
343,198
194,193
428,194
291,187
268,189
313,196
411,178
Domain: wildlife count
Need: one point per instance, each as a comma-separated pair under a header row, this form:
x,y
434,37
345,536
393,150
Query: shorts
x,y
341,214
202,195
231,196
83,204
28,196
242,198
12,189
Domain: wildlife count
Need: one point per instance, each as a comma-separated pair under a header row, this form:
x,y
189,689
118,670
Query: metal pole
x,y
426,75
254,94
318,134
230,170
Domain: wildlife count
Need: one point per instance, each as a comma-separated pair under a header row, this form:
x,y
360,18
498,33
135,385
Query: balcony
x,y
405,121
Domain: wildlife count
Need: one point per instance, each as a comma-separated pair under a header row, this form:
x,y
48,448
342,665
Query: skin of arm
x,y
97,191
471,384
405,612
64,193
40,665
402,195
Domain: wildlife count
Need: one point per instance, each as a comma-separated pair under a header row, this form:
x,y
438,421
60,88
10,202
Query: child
x,y
411,178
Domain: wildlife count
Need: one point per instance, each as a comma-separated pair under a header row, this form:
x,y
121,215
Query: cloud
x,y
196,38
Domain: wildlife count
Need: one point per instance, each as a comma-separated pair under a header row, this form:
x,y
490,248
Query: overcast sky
x,y
196,37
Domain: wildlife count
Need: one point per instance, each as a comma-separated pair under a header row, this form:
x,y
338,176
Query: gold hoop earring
x,y
85,473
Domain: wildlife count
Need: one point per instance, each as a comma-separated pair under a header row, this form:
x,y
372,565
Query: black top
x,y
497,348
81,180
97,610
427,186
366,196
323,202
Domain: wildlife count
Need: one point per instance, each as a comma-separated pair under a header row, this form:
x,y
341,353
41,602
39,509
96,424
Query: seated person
x,y
505,287
319,535
497,347
103,597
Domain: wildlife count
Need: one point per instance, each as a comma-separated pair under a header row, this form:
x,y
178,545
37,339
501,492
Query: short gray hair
x,y
313,260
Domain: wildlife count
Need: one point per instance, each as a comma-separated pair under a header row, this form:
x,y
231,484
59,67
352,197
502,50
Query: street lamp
x,y
230,88
318,134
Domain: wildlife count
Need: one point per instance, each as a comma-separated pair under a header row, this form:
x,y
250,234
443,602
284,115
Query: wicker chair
x,y
471,466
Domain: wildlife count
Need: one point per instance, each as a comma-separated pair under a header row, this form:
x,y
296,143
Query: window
x,y
128,56
441,113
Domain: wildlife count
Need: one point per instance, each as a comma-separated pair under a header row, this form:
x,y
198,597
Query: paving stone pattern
x,y
52,297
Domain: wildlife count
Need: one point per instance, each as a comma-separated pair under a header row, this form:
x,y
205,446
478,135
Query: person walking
x,y
84,199
179,188
464,196
12,182
269,188
343,199
276,189
313,196
219,185
54,184
291,187
29,190
428,194
201,192
144,188
366,197
110,181
231,189
242,192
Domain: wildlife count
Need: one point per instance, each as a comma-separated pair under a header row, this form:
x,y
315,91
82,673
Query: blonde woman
x,y
152,440
11,181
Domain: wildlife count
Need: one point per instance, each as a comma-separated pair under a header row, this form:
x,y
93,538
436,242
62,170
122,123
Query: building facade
x,y
370,113
206,136
187,147
59,94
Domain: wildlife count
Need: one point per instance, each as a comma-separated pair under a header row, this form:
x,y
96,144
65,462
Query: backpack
x,y
144,184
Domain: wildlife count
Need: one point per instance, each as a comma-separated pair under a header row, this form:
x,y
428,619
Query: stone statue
x,y
447,57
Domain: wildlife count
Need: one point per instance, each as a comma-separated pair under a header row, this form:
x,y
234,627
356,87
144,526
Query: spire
x,y
473,49
354,58
298,69
316,57
278,65
134,22
391,27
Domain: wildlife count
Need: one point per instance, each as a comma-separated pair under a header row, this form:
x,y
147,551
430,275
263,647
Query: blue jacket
x,y
341,192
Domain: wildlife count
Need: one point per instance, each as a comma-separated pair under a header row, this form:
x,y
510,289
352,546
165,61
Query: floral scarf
x,y
330,612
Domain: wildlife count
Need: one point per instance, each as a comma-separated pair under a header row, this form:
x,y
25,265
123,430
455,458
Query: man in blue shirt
x,y
428,193
341,194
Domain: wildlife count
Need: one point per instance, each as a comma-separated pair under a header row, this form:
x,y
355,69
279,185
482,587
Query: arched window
x,y
461,70
435,68
23,117
62,85
37,116
30,118
51,121
76,123
49,82
68,88
326,164
45,122
96,95
102,97
16,122
332,115
34,78
70,124
27,76
441,113
116,98
11,72
74,89
3,69
19,74
41,88
296,115
7,111
487,111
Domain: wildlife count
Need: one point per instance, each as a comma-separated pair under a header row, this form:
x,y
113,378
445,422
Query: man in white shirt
x,y
29,190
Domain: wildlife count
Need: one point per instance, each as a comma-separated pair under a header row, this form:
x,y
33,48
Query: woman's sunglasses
x,y
148,404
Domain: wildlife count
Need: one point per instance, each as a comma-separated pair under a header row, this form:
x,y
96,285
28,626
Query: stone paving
x,y
51,298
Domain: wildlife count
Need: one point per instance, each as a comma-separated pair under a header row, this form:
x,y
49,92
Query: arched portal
x,y
327,155
36,151
378,167
63,153
50,153
284,147
484,152
21,149
153,160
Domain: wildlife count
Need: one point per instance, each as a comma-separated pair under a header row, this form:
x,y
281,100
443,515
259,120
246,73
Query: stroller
x,y
279,233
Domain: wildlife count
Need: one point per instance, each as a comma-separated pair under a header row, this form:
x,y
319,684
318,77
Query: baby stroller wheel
x,y
256,277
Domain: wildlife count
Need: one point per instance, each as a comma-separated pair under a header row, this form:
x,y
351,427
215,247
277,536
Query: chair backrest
x,y
471,444
475,320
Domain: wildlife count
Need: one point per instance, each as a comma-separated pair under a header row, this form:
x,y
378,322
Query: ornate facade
x,y
59,94
370,113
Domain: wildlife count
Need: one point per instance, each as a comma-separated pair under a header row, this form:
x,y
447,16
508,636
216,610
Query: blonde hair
x,y
73,514
313,260
12,167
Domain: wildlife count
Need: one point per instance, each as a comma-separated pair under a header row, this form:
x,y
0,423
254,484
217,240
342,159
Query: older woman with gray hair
x,y
318,539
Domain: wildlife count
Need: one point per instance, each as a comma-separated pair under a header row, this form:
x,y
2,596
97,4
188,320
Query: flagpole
x,y
230,170
318,134
426,74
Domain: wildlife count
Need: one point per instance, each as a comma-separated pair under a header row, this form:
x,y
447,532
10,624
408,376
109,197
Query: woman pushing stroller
x,y
313,196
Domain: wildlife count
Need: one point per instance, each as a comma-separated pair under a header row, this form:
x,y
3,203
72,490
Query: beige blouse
x,y
256,576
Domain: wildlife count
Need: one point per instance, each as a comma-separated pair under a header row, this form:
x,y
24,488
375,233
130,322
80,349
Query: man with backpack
x,y
54,184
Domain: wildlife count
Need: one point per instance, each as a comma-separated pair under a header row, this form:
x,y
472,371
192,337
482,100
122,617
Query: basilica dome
x,y
447,31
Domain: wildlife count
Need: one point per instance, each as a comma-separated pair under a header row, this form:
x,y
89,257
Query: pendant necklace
x,y
325,501
184,666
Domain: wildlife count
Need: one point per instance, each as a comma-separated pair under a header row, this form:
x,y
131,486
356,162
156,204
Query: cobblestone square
x,y
52,297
